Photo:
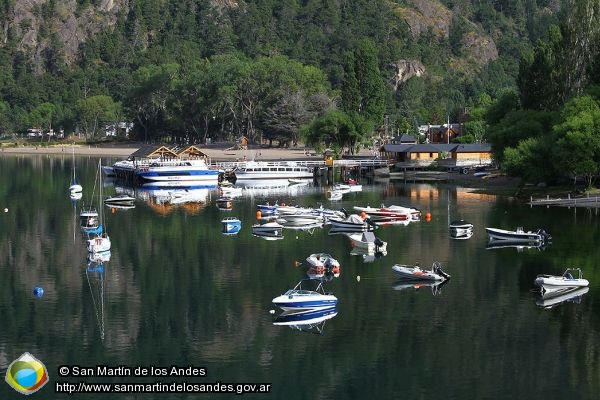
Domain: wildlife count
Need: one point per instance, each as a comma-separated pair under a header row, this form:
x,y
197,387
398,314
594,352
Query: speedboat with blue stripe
x,y
300,298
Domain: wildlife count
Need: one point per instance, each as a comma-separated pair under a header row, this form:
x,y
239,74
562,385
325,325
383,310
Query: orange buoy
x,y
427,216
363,215
258,214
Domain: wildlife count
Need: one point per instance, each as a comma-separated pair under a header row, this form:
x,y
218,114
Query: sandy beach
x,y
220,153
215,153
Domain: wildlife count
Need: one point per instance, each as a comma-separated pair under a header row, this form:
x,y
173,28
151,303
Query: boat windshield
x,y
572,273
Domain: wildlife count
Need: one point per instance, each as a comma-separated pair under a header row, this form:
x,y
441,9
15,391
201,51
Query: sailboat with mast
x,y
75,189
100,242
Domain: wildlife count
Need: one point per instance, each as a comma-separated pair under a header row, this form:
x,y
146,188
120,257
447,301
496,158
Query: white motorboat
x,y
346,188
414,272
519,234
367,241
572,277
334,195
352,223
322,262
461,229
392,212
269,229
119,200
299,298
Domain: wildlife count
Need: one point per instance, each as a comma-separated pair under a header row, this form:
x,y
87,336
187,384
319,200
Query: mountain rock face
x,y
423,16
406,69
33,25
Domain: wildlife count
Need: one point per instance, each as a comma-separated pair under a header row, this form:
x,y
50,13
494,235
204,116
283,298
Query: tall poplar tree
x,y
363,89
581,31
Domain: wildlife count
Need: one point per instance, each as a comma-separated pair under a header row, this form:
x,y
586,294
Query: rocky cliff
x,y
34,24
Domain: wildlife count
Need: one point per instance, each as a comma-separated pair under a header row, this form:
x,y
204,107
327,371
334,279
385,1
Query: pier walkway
x,y
585,201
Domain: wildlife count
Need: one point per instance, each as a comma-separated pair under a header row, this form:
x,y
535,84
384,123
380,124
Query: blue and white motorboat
x,y
231,225
178,171
299,298
267,209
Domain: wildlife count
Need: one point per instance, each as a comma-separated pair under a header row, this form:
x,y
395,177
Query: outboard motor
x,y
546,238
437,268
371,223
378,243
345,212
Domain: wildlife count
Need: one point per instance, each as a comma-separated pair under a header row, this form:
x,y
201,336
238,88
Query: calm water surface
x,y
175,291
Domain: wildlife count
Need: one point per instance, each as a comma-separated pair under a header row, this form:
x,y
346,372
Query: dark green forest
x,y
520,74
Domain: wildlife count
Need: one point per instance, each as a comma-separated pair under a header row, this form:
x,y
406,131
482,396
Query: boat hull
x,y
549,282
267,170
417,274
98,244
515,236
316,302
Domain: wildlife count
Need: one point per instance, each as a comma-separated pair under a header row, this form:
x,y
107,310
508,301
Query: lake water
x,y
177,292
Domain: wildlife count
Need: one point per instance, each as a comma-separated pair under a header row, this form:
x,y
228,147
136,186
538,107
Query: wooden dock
x,y
582,201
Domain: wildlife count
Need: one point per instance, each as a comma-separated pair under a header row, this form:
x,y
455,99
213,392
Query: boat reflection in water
x,y
436,286
164,197
268,231
310,321
516,244
95,273
264,187
367,255
551,298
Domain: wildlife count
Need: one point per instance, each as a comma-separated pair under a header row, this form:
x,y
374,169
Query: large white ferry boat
x,y
273,170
